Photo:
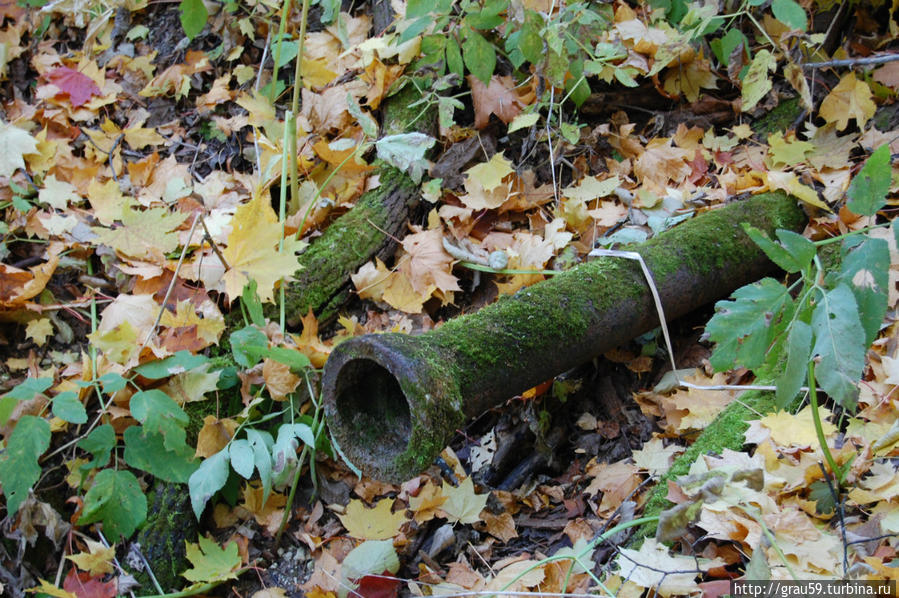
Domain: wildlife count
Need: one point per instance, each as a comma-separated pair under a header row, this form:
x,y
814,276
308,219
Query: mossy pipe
x,y
393,401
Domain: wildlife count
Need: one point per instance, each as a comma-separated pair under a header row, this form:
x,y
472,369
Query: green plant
x,y
818,327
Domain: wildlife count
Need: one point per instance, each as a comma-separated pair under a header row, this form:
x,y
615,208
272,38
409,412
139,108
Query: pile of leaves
x,y
141,147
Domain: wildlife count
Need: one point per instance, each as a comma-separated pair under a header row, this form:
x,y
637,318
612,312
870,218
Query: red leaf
x,y
84,586
78,86
377,586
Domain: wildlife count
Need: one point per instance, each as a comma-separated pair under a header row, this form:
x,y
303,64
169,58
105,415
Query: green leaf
x,y
799,345
840,343
99,444
262,443
794,253
417,27
865,270
290,357
244,339
211,562
146,450
249,298
241,455
821,493
454,57
178,363
531,43
67,407
523,121
160,413
30,388
724,46
112,382
487,15
868,190
116,500
19,469
479,56
209,478
193,17
789,13
744,328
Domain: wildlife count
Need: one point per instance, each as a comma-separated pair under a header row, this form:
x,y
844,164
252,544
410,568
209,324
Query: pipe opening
x,y
373,411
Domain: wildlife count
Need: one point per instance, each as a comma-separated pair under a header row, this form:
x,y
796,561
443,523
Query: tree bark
x,y
393,401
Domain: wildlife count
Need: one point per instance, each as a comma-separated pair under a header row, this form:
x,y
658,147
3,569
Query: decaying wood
x,y
393,401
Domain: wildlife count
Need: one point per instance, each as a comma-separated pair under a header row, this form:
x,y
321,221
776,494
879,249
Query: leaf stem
x,y
819,429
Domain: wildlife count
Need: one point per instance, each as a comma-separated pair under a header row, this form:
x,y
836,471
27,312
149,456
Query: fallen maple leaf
x,y
78,86
14,143
851,98
97,561
379,523
252,252
462,504
499,98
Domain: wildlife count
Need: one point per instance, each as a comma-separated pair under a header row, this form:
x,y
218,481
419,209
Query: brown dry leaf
x,y
309,343
615,480
661,162
690,409
500,526
279,380
888,75
18,286
851,98
500,98
214,435
267,514
429,265
425,505
519,576
690,79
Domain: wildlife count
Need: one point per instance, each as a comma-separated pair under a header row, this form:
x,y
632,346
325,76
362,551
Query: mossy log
x,y
370,229
170,523
393,401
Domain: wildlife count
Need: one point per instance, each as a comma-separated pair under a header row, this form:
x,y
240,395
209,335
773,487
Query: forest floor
x,y
142,191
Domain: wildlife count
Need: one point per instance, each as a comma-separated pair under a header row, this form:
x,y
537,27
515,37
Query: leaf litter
x,y
100,193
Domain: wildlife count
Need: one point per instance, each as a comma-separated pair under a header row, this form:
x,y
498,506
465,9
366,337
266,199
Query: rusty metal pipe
x,y
393,401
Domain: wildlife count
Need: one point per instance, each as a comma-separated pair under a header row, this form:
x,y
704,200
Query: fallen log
x,y
369,230
393,401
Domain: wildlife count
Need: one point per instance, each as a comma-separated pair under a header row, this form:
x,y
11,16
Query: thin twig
x,y
168,291
866,61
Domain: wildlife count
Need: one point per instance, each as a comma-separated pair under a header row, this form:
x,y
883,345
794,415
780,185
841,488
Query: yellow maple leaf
x,y
98,561
851,98
252,252
489,175
462,504
796,429
39,329
146,234
424,506
379,523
